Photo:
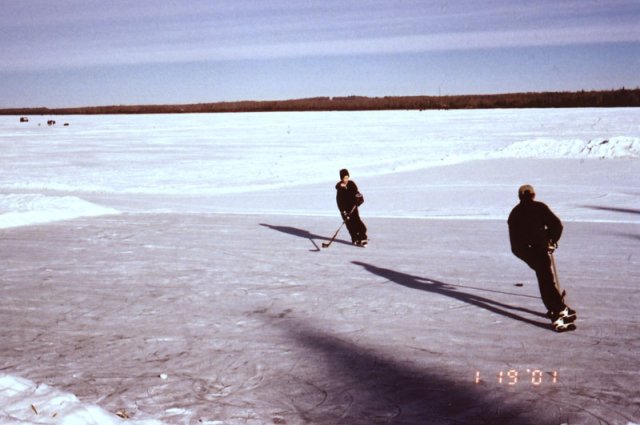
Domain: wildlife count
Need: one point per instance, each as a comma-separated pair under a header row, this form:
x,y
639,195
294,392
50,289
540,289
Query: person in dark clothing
x,y
534,232
349,199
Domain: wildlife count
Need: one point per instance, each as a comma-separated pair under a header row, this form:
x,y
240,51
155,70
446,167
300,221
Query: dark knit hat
x,y
526,191
343,172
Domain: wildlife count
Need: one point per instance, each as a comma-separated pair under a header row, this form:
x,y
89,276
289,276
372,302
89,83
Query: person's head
x,y
344,175
526,192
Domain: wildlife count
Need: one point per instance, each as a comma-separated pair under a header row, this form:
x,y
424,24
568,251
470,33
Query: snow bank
x,y
615,147
25,209
24,402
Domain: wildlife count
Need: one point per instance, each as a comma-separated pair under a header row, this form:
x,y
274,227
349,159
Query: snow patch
x,y
615,147
24,402
25,209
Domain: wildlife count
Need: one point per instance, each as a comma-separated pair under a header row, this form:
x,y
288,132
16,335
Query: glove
x,y
552,246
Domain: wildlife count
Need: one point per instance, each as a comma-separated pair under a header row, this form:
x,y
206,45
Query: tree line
x,y
581,99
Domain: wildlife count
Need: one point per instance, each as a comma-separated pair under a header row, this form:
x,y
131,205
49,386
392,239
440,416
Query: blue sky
x,y
94,52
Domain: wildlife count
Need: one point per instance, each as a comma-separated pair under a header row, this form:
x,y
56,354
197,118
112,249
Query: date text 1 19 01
x,y
513,377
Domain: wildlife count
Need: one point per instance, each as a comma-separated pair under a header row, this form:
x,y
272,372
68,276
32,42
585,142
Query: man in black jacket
x,y
534,231
349,199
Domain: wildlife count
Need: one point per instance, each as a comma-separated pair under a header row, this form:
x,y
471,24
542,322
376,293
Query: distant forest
x,y
581,99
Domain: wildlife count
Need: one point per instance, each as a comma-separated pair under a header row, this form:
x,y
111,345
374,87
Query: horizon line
x,y
330,98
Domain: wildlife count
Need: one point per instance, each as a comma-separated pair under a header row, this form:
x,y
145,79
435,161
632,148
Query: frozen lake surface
x,y
167,268
187,163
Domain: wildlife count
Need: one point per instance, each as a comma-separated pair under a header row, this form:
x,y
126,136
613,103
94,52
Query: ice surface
x,y
169,268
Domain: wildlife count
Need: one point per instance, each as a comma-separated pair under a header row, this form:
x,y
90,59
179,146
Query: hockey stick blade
x,y
326,244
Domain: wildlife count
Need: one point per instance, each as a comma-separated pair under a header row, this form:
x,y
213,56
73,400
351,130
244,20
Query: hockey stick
x,y
556,279
326,244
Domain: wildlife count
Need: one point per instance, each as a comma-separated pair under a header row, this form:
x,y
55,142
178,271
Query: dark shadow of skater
x,y
632,211
362,385
614,209
301,233
449,290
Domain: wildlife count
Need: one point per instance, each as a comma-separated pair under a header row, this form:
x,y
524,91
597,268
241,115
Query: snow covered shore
x,y
188,302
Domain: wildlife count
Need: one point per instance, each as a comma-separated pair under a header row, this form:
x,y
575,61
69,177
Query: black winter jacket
x,y
532,224
346,196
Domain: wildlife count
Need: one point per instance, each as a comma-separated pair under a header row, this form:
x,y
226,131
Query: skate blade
x,y
566,328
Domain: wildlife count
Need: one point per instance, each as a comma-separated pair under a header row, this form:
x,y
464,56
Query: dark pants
x,y
356,227
540,261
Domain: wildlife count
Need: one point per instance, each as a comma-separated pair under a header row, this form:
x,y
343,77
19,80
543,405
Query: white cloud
x,y
69,55
138,33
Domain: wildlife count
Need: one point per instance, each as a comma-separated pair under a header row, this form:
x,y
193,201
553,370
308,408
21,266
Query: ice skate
x,y
559,325
568,315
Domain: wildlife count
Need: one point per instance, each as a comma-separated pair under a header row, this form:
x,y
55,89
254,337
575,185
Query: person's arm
x,y
341,199
353,191
554,226
517,247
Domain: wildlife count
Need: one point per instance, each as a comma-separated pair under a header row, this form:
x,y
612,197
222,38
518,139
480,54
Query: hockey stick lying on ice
x,y
326,244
